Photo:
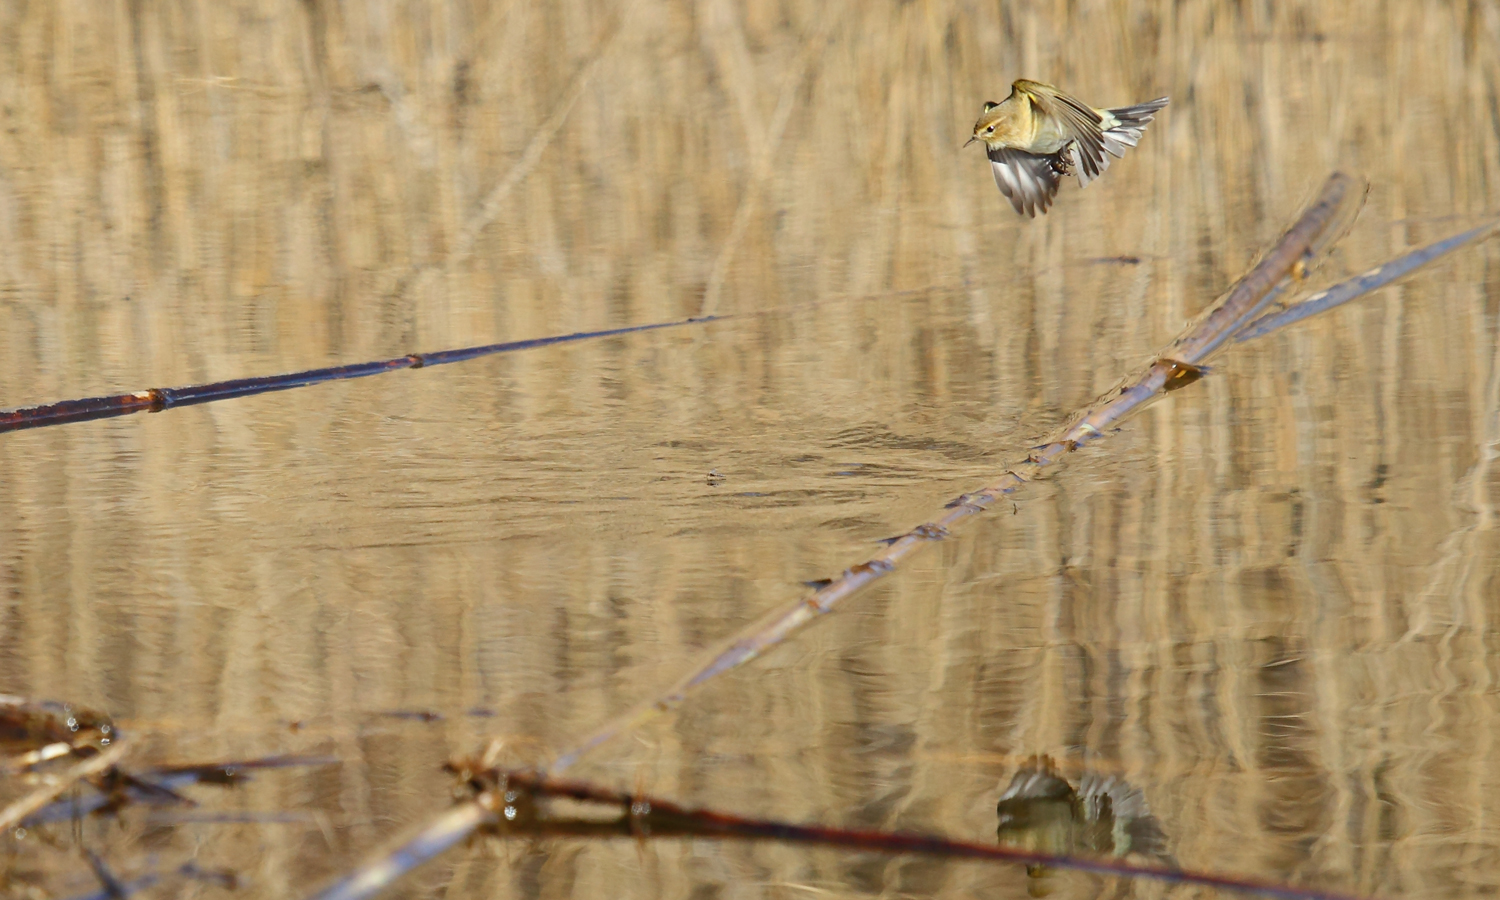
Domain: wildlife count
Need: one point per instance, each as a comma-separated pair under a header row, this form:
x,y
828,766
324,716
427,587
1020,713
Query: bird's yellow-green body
x,y
1039,134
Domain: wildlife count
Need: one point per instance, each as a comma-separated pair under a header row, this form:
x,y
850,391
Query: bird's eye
x,y
990,130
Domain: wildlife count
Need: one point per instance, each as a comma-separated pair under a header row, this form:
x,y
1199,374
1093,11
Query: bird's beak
x,y
970,141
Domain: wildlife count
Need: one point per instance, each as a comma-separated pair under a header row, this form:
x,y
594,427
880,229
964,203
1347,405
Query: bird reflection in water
x,y
1103,816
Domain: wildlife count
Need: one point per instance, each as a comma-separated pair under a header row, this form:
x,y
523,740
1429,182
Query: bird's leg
x,y
1062,160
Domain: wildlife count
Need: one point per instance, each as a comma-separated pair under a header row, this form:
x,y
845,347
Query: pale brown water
x,y
1267,602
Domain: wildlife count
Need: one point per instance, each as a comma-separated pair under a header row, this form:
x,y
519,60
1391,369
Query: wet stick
x,y
451,827
1360,285
162,783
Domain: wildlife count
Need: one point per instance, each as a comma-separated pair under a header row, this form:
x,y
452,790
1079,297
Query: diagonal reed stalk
x,y
1356,287
1245,306
1177,365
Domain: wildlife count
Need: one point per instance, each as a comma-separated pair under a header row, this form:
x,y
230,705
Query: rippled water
x,y
1265,603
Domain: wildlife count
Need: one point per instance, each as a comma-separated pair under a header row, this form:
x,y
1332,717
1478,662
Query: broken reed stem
x,y
162,783
511,797
1327,220
1363,284
14,814
1339,200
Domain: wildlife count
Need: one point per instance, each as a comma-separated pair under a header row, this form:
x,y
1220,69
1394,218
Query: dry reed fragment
x,y
158,399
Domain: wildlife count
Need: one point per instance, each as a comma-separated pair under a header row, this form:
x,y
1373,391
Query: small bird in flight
x,y
1039,134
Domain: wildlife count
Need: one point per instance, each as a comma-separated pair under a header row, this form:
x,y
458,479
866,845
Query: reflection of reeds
x,y
764,154
1238,316
1243,307
1253,566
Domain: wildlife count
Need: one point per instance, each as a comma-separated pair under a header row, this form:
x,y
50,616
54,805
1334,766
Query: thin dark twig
x,y
158,399
159,785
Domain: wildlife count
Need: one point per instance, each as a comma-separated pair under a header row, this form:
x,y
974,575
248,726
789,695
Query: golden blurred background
x,y
1266,602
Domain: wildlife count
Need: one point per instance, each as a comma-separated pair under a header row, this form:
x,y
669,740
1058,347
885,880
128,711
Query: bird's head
x,y
990,128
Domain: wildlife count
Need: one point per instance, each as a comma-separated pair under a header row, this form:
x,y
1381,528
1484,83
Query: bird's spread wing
x,y
1027,180
1079,121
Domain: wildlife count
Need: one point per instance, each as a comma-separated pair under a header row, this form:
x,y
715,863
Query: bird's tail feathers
x,y
1130,124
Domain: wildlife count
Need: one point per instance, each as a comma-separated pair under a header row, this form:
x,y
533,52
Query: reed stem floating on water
x,y
23,809
1177,365
159,399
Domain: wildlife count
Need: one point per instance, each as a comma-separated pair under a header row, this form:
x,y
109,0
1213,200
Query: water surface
x,y
1265,602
